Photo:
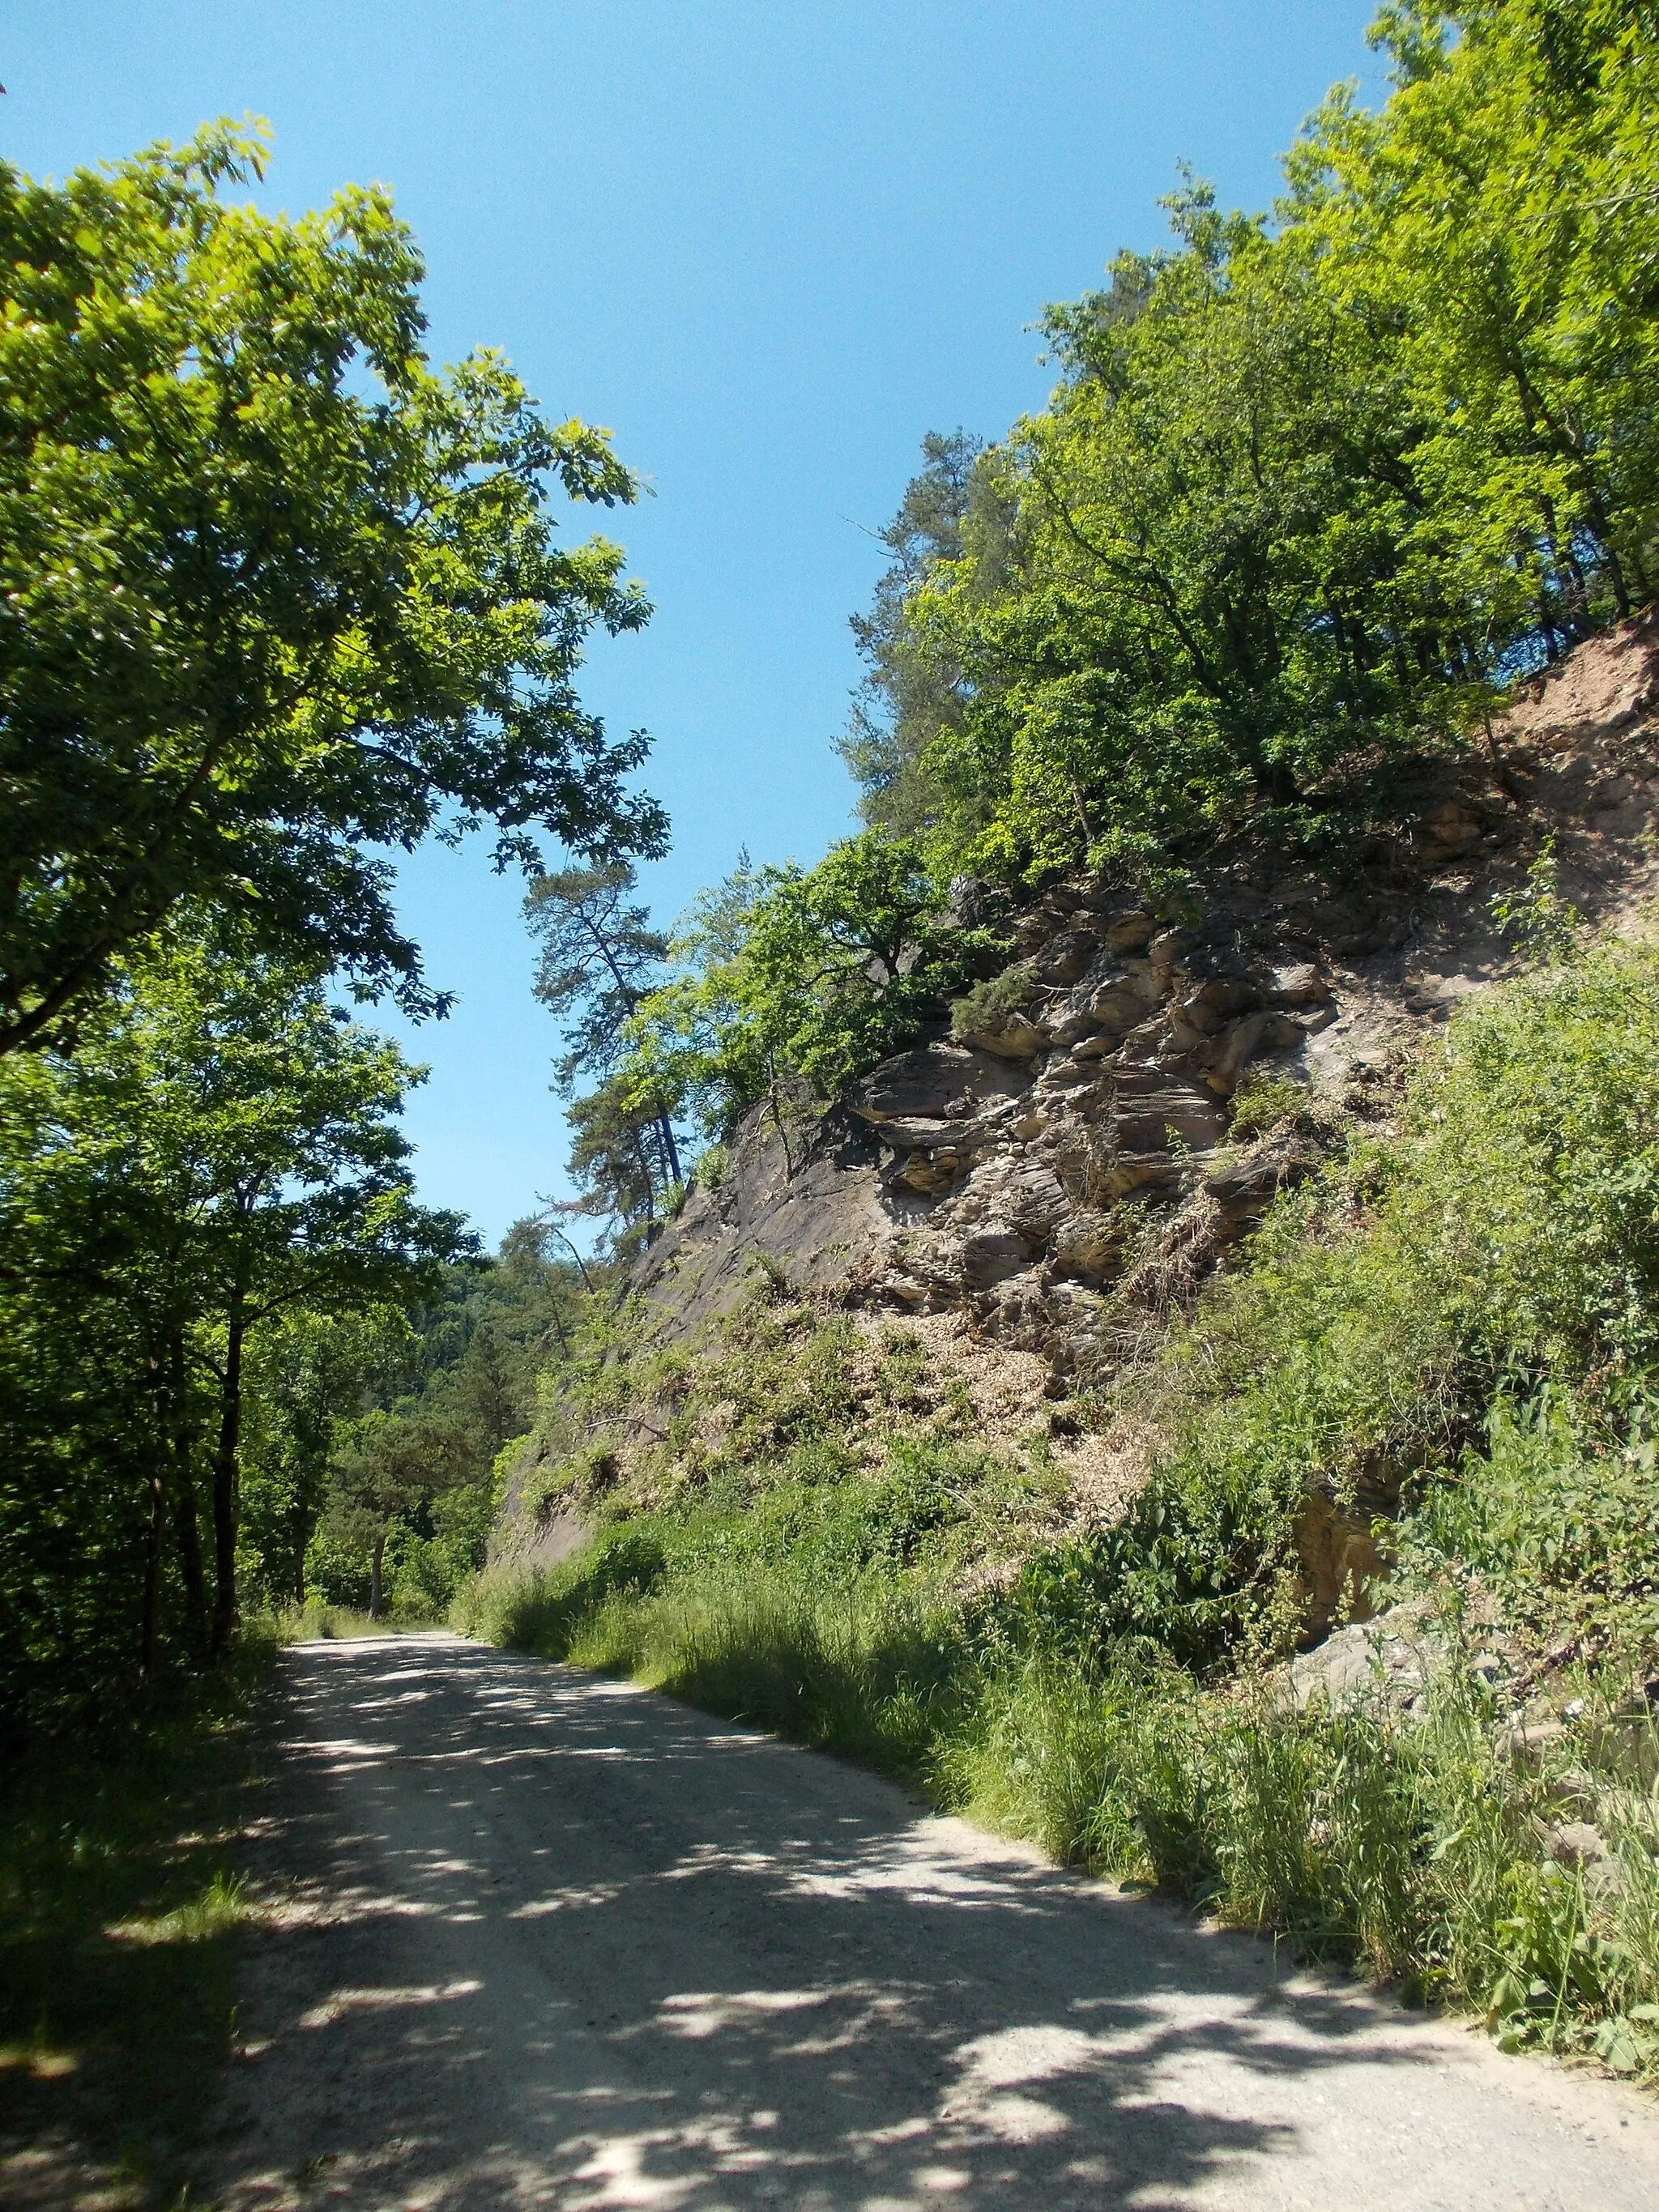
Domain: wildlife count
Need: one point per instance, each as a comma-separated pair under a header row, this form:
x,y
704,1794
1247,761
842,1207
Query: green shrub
x,y
1562,1537
986,1007
1508,1240
540,1610
1263,1101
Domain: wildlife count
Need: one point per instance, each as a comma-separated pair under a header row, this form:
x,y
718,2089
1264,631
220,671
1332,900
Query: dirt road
x,y
554,1942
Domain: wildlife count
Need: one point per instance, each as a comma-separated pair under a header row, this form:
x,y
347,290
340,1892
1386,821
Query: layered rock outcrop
x,y
1060,1173
1122,1103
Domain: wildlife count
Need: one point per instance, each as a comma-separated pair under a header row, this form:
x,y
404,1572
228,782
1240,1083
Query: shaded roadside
x,y
120,1940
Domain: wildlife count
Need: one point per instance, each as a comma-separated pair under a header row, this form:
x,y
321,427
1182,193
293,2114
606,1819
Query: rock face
x,y
1083,1146
1018,1176
1056,1182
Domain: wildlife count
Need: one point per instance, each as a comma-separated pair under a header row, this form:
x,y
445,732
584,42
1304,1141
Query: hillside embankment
x,y
1193,1411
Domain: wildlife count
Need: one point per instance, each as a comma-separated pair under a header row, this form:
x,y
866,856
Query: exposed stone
x,y
1153,1103
1225,1058
1124,1001
928,1174
992,1254
1088,1244
1450,830
1245,1186
934,1081
1341,1564
1167,949
1387,1661
1073,1029
1065,958
1576,1843
1300,985
1131,931
1016,1038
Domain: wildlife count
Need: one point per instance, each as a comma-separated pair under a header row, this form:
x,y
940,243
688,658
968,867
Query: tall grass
x,y
873,1667
1411,1846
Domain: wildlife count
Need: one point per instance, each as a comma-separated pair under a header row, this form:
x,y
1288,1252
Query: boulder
x,y
1168,950
1074,1028
1151,1102
1225,1059
992,1254
1131,933
1064,959
1387,1661
933,1082
1341,1565
1246,1187
1016,1038
1124,1001
1303,984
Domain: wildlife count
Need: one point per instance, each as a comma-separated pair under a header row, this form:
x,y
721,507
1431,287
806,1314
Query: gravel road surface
x,y
548,1940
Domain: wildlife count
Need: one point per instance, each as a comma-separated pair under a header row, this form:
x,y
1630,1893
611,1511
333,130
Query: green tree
x,y
809,973
1306,494
221,1152
387,1464
1499,220
307,1373
600,956
909,695
273,593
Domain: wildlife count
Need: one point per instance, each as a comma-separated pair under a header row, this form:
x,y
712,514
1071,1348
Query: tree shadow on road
x,y
548,1940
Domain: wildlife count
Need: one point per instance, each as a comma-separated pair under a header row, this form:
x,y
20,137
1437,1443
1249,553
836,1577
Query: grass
x,y
1411,1847
312,1623
120,1909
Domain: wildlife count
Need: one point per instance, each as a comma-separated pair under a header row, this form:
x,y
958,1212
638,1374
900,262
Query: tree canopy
x,y
273,592
1310,491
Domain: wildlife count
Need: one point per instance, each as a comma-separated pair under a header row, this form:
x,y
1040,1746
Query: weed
x,y
1263,1101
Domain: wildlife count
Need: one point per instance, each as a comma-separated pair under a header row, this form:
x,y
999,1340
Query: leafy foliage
x,y
1305,497
273,591
809,975
220,1156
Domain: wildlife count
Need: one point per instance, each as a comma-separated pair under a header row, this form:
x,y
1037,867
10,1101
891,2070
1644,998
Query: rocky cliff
x,y
1061,1173
1031,1197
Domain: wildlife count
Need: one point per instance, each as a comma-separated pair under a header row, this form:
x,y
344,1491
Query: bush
x,y
986,1007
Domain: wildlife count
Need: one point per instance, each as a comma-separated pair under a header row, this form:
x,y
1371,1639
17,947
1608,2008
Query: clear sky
x,y
768,243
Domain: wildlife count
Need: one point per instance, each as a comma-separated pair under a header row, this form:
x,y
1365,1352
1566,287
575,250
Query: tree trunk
x,y
672,1149
302,1521
186,1530
150,1614
226,1459
374,1576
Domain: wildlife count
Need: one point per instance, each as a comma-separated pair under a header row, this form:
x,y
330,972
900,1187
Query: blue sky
x,y
770,243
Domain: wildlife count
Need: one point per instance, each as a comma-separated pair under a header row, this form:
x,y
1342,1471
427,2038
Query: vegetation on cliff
x,y
1310,492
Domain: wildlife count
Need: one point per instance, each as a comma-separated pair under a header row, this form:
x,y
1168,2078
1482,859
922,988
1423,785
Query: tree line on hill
x,y
1311,490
